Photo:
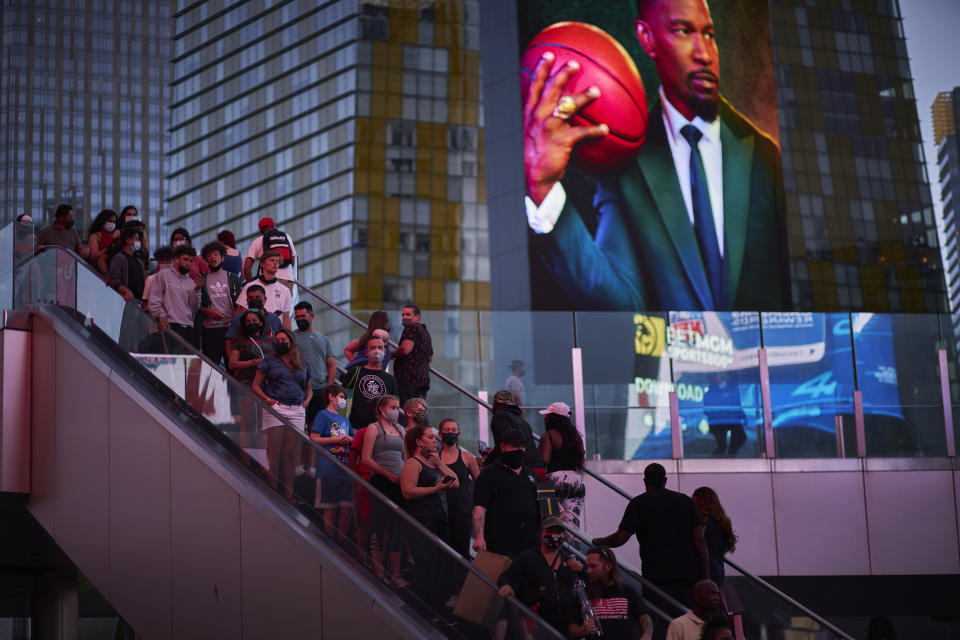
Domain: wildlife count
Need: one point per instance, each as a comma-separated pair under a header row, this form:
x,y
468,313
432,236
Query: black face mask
x,y
420,417
68,224
450,439
512,459
252,328
255,304
303,325
215,268
552,540
282,348
182,269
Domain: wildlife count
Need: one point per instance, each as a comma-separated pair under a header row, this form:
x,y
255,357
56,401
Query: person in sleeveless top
x,y
426,482
459,500
100,235
562,449
383,455
245,352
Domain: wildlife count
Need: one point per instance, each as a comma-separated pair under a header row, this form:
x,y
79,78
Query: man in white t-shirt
x,y
275,240
279,301
706,605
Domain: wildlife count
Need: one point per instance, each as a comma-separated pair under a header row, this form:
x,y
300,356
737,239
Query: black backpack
x,y
276,240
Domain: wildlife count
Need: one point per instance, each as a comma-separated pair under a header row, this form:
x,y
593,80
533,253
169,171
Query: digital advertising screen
x,y
651,156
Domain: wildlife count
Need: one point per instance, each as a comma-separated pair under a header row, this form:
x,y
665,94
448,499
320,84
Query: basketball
x,y
604,63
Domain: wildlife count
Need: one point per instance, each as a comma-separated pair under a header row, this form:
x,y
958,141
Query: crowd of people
x,y
376,422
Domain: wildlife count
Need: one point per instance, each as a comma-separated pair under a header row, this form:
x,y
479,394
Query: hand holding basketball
x,y
548,138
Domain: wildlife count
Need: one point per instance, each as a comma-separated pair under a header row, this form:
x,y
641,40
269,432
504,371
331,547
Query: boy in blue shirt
x,y
334,484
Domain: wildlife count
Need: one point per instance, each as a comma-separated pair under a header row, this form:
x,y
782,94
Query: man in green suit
x,y
696,222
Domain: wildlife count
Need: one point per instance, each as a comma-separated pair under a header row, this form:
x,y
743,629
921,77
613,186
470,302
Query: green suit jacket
x,y
644,254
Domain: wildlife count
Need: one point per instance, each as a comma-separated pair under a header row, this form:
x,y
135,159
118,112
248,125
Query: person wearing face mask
x,y
283,383
459,500
334,494
130,214
180,237
368,384
101,233
278,300
249,347
175,297
426,483
414,412
413,356
543,579
220,288
506,515
383,453
256,298
61,233
127,277
318,351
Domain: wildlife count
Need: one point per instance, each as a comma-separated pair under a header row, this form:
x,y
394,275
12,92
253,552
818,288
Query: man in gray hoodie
x,y
175,297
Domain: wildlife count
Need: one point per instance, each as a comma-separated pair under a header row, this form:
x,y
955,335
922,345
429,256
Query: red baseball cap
x,y
265,223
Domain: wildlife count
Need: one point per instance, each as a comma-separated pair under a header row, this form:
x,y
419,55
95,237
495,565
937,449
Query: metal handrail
x,y
780,594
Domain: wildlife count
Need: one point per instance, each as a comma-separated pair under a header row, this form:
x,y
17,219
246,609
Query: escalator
x,y
759,609
86,337
149,471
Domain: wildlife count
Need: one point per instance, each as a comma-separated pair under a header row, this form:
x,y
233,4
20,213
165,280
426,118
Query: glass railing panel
x,y
542,342
810,362
626,373
716,376
950,342
897,373
763,614
7,264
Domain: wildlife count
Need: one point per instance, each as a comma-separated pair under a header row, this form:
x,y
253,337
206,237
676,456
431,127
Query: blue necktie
x,y
703,223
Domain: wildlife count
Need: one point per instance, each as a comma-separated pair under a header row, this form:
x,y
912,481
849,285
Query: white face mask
x,y
341,403
109,226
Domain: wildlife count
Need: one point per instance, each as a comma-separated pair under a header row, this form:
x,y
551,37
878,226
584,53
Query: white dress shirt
x,y
542,219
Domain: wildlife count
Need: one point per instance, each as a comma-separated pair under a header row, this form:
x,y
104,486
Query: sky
x,y
934,50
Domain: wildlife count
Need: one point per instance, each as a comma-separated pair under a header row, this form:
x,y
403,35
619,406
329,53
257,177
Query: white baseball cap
x,y
559,408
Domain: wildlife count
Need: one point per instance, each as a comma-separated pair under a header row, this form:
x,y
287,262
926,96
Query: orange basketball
x,y
622,104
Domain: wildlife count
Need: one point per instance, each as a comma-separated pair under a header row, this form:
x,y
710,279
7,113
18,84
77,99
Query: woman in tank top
x,y
562,449
459,500
383,455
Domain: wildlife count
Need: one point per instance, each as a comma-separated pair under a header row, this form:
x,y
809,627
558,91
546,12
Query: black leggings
x,y
384,519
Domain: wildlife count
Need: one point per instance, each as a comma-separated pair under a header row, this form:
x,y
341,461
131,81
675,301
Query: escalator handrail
x,y
780,594
399,513
593,474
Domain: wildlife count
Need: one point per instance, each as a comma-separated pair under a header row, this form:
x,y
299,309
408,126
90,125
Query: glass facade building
x,y
356,126
84,87
946,113
862,229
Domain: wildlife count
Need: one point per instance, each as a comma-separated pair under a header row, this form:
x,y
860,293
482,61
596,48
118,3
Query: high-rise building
x,y
946,114
861,219
356,126
84,87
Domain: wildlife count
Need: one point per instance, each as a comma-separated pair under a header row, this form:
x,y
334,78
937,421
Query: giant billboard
x,y
652,166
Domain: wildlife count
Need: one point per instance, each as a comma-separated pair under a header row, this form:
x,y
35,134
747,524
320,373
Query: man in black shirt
x,y
670,532
507,416
126,273
620,613
369,384
542,579
506,516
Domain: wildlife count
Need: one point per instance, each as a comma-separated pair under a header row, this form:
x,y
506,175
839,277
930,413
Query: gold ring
x,y
566,107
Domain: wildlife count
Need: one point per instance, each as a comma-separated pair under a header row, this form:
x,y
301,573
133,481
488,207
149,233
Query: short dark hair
x,y
271,254
129,232
62,211
513,436
655,475
415,308
330,391
183,232
162,254
303,304
184,250
448,421
714,624
256,287
210,247
643,8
